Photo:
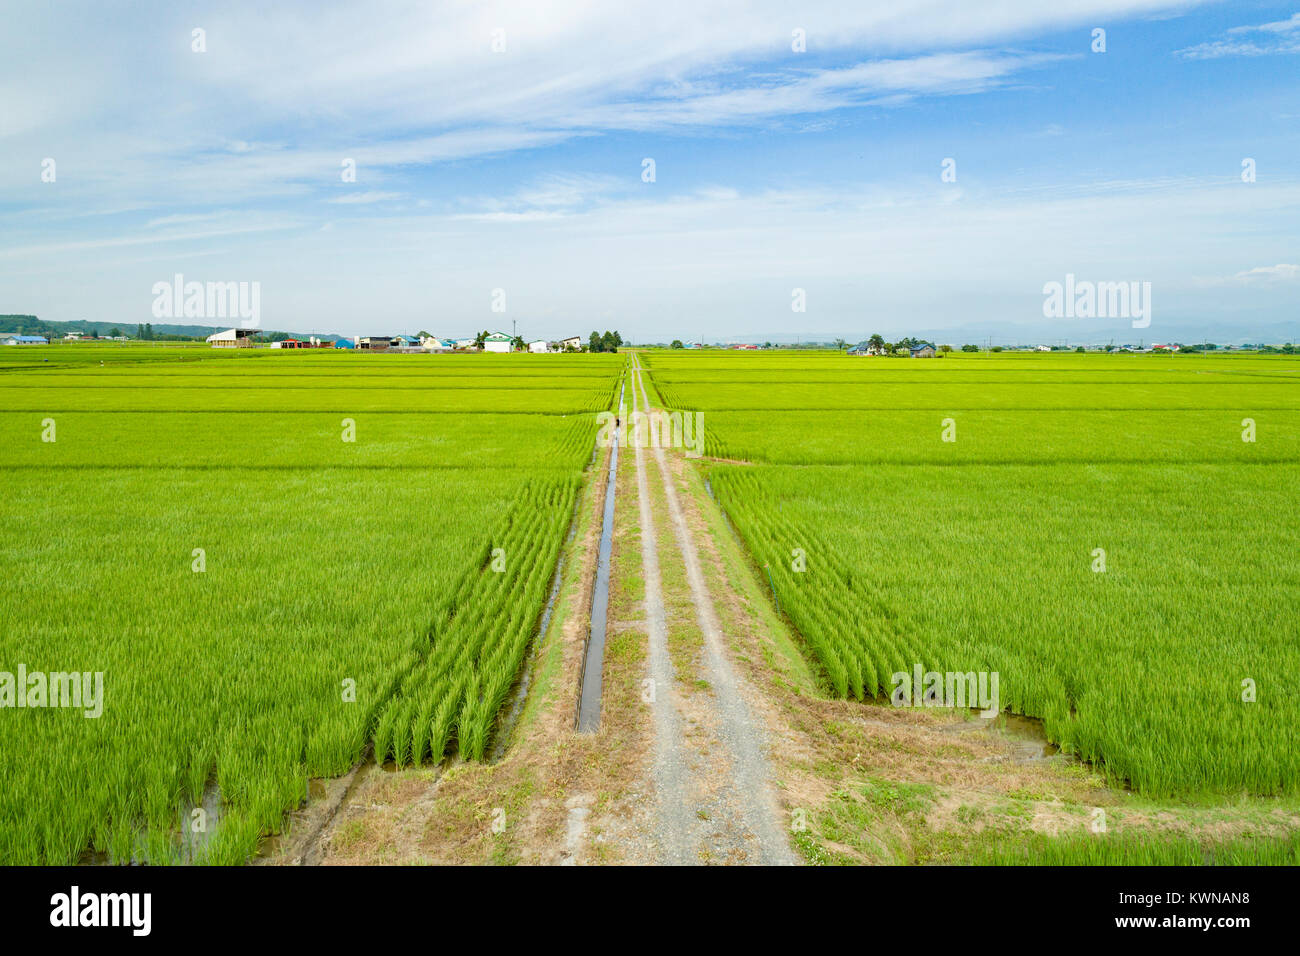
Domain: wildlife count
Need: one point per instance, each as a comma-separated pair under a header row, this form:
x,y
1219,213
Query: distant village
x,y
911,348
423,343
415,344
502,342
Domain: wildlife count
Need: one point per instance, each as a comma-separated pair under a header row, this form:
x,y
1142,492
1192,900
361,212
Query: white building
x,y
232,339
574,342
498,342
539,346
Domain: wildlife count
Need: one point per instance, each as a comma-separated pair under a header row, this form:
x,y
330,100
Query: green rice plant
x,y
1168,668
345,594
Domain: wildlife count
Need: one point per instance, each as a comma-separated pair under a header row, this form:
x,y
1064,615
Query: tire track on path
x,y
750,794
673,812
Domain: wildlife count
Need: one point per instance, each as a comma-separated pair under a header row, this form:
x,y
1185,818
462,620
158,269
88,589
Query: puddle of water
x,y
187,843
594,660
1026,734
192,841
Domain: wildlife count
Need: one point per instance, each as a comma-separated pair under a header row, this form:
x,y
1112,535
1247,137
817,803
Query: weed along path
x,y
715,787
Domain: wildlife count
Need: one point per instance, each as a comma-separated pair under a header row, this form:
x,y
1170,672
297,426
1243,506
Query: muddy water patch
x,y
1026,735
195,829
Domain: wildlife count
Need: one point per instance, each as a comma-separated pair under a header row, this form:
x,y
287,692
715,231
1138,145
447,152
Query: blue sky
x,y
775,170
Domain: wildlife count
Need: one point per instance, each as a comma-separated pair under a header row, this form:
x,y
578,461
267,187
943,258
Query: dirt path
x,y
672,815
718,773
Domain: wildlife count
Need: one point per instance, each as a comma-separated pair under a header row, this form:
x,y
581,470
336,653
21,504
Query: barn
x,y
232,339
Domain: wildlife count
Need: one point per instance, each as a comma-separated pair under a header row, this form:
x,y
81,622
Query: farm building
x,y
232,339
466,345
25,340
539,346
405,342
344,344
864,348
923,351
434,344
572,342
375,343
498,342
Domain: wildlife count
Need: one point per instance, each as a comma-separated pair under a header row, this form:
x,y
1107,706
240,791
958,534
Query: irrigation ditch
x,y
587,718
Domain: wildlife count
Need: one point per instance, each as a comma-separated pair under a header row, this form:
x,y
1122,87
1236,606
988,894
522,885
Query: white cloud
x,y
1279,26
1281,271
365,197
409,84
1279,37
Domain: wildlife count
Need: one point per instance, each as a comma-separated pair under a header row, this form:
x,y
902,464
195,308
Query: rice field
x,y
1092,528
277,562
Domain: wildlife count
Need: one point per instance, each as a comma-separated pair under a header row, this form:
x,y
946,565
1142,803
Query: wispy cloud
x,y
362,198
1265,39
1280,272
